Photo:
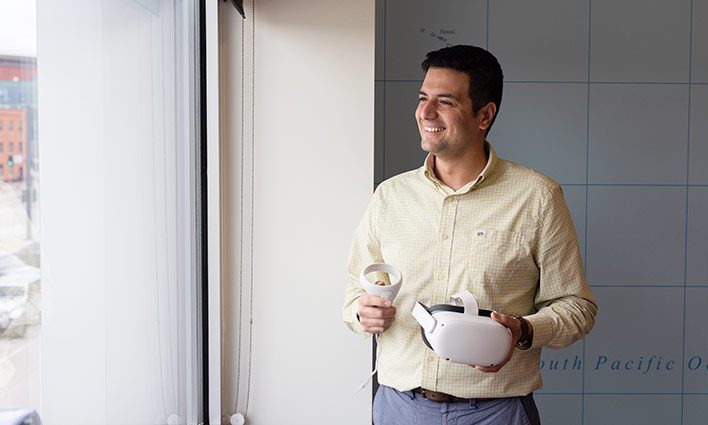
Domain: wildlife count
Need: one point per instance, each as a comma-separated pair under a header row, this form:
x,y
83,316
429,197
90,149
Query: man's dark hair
x,y
484,72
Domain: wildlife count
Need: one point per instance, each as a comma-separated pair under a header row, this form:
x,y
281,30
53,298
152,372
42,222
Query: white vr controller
x,y
389,291
461,335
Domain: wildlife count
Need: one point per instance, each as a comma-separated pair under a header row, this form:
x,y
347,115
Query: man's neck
x,y
457,171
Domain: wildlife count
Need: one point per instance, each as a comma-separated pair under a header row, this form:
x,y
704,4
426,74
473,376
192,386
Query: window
x,y
139,307
19,147
19,215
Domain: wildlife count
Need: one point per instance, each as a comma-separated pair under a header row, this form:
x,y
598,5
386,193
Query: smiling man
x,y
467,220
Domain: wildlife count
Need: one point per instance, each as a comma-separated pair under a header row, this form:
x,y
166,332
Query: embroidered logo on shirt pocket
x,y
494,255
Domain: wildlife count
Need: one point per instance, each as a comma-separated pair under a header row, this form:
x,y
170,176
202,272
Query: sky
x,y
18,27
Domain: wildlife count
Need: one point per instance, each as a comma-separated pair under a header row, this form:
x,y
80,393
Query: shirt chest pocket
x,y
495,256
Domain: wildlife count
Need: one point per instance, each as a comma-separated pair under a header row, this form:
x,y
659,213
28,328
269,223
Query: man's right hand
x,y
375,313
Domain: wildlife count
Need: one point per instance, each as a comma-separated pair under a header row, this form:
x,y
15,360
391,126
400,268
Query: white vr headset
x,y
463,334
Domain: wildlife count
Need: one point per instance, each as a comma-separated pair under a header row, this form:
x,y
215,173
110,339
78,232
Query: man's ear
x,y
486,115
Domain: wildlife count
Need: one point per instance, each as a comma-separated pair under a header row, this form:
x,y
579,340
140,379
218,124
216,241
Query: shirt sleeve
x,y
566,307
365,249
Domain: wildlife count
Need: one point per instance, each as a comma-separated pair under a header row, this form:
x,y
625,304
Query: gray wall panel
x,y
695,409
697,237
640,40
633,409
535,45
560,409
638,133
637,343
699,42
698,161
696,351
402,147
414,27
544,126
636,235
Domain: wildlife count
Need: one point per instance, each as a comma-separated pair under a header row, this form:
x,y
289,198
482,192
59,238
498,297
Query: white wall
x,y
313,177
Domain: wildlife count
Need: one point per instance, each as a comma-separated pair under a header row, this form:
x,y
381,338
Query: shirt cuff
x,y
352,321
542,329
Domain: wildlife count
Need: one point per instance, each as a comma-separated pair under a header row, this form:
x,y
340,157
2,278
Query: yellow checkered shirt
x,y
507,237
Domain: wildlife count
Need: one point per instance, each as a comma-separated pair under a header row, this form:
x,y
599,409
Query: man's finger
x,y
374,301
508,321
511,322
377,312
376,325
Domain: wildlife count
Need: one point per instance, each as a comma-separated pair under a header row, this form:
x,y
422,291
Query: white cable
x,y
376,366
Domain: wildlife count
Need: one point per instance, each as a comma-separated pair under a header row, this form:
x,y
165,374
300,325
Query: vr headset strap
x,y
426,320
469,301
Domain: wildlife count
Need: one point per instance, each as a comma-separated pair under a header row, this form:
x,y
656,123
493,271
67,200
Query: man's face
x,y
446,123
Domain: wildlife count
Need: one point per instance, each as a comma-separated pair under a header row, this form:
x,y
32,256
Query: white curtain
x,y
117,123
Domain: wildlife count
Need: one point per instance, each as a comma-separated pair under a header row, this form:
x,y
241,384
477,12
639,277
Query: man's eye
x,y
421,99
446,102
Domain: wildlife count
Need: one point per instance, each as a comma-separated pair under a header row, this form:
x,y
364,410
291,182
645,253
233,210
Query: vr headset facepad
x,y
463,334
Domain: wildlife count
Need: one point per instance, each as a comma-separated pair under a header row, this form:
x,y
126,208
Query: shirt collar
x,y
492,161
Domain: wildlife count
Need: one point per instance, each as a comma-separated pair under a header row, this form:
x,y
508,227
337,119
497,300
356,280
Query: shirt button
x,y
442,276
431,358
445,236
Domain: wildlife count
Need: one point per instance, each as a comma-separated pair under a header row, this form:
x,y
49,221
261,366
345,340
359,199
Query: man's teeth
x,y
434,129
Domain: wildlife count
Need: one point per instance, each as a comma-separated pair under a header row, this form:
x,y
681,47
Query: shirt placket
x,y
442,275
445,238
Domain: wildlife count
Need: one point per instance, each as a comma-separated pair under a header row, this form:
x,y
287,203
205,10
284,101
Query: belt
x,y
444,398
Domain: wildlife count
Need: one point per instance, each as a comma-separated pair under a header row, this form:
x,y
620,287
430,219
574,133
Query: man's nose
x,y
428,110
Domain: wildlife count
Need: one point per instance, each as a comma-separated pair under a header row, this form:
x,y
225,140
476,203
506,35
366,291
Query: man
x,y
467,220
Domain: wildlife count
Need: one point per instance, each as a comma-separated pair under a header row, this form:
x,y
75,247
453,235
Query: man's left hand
x,y
514,325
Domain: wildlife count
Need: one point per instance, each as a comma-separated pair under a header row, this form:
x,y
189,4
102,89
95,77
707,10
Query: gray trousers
x,y
393,407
